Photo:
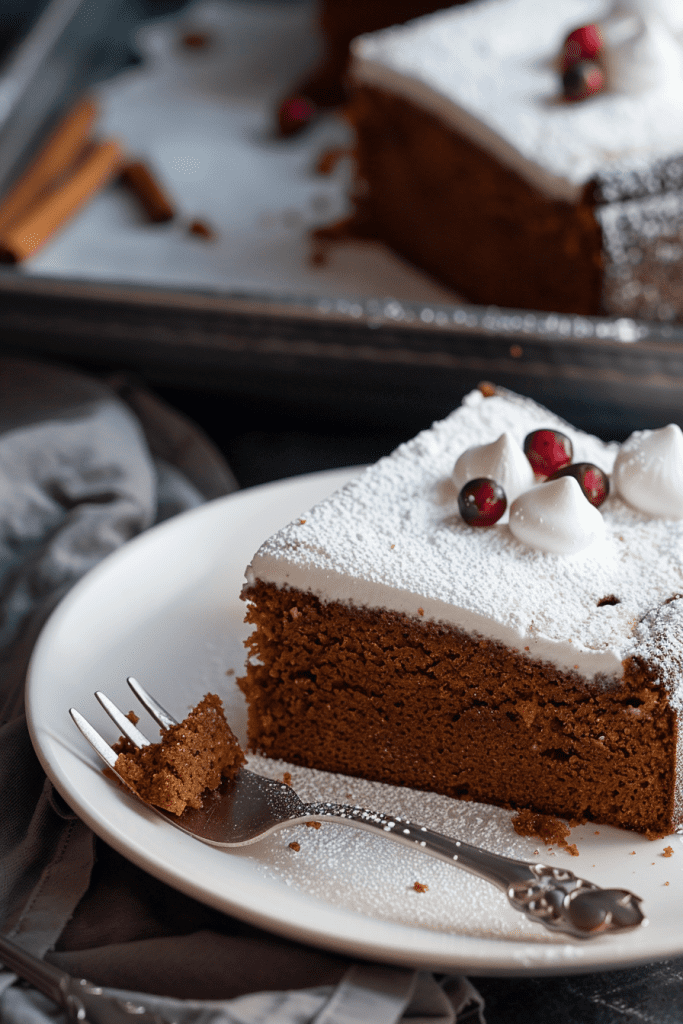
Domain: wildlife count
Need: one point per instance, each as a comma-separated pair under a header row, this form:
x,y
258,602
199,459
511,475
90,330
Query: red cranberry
x,y
592,481
581,80
295,113
482,502
583,43
547,451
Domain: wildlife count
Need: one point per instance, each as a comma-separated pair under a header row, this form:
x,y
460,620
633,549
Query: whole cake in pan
x,y
535,662
478,161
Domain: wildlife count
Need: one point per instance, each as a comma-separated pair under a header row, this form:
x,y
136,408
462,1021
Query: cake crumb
x,y
302,521
596,833
312,824
487,389
632,853
295,847
294,612
420,887
287,778
420,611
543,826
668,851
328,160
666,883
196,40
230,672
191,758
201,229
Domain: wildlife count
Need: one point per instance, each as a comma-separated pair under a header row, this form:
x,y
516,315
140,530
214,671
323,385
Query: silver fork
x,y
244,810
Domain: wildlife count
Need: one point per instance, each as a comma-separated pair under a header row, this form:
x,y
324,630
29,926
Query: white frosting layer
x,y
489,69
394,539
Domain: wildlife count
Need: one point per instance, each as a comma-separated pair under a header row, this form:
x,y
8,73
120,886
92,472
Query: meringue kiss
x,y
502,460
556,517
648,471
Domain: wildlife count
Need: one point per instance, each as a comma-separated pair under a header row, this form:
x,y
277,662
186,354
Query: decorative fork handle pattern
x,y
553,897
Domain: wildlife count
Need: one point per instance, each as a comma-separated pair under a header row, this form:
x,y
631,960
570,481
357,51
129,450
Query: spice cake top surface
x,y
394,539
490,70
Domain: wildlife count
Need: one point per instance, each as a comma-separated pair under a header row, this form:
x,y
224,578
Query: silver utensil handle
x,y
553,897
82,1000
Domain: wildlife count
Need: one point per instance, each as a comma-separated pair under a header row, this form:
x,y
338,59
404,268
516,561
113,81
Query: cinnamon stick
x,y
141,181
29,232
58,154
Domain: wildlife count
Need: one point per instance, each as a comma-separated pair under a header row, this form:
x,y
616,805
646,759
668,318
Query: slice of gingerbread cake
x,y
479,614
529,153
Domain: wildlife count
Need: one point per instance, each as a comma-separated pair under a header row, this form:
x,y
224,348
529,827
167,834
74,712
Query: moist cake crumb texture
x,y
191,758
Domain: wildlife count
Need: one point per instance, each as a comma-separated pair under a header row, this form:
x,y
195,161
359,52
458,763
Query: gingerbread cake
x,y
474,164
191,758
536,662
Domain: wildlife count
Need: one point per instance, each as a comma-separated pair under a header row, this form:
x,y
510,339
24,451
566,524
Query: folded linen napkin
x,y
84,466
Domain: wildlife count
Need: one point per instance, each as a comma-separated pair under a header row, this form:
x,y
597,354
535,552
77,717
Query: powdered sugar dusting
x,y
375,877
489,70
394,539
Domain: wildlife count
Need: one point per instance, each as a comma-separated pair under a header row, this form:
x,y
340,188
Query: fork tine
x,y
99,745
124,724
159,714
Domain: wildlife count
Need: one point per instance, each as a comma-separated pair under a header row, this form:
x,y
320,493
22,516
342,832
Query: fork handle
x,y
553,897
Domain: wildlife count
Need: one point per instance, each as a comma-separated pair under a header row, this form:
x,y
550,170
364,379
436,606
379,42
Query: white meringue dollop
x,y
648,471
642,47
668,11
556,517
502,460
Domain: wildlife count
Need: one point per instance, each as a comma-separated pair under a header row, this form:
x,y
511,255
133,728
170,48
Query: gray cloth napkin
x,y
84,466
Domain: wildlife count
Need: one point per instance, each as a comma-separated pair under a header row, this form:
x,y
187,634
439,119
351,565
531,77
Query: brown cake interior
x,y
190,758
451,208
378,695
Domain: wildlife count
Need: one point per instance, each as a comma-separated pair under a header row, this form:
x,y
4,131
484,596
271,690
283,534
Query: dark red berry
x,y
295,113
547,451
583,43
581,80
482,502
592,481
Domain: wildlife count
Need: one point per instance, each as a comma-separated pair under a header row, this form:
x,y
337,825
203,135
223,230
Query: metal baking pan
x,y
360,359
248,315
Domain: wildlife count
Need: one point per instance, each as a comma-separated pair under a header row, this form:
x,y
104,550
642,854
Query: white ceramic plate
x,y
166,609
